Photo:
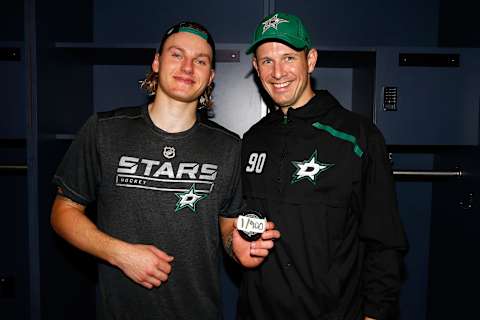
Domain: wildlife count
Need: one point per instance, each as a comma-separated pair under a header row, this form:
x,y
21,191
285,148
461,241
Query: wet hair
x,y
150,83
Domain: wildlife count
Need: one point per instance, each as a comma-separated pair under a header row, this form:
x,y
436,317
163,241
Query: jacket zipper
x,y
283,155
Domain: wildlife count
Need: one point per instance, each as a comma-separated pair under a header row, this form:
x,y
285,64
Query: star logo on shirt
x,y
309,169
188,199
273,22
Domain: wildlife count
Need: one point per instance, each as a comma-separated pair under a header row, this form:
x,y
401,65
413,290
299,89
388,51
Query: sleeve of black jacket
x,y
382,233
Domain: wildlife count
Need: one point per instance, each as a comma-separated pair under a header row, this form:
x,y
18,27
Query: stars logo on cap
x,y
273,22
188,199
309,169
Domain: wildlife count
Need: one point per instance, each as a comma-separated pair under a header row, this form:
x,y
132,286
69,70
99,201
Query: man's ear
x,y
212,76
254,64
312,57
156,63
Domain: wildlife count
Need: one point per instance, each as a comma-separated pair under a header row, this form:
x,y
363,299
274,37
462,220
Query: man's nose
x,y
278,71
187,65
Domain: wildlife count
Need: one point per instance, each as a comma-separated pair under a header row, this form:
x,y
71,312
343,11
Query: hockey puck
x,y
251,224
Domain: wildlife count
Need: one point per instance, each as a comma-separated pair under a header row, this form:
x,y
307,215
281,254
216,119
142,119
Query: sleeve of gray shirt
x,y
233,204
78,173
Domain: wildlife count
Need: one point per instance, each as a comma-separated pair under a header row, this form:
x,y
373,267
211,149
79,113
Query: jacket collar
x,y
320,104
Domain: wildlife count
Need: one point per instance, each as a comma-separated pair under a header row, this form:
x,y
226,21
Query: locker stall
x,y
14,246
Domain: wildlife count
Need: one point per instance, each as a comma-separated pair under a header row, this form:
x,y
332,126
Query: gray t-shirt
x,y
153,187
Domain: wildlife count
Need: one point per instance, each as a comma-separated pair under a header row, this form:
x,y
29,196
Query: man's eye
x,y
289,58
201,62
266,61
176,55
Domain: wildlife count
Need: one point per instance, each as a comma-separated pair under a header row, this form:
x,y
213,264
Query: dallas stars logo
x,y
309,169
188,199
273,22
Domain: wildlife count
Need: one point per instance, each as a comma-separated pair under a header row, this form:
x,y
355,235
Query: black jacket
x,y
322,175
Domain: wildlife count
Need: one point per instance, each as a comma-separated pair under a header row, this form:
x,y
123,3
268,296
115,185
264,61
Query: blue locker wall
x,y
12,69
64,102
146,20
435,105
457,27
454,259
368,23
454,264
11,21
11,89
414,199
14,267
338,23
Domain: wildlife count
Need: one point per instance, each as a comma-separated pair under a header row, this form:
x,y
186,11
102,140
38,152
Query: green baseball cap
x,y
284,27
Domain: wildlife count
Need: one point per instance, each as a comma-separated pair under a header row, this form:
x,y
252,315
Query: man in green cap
x,y
322,175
